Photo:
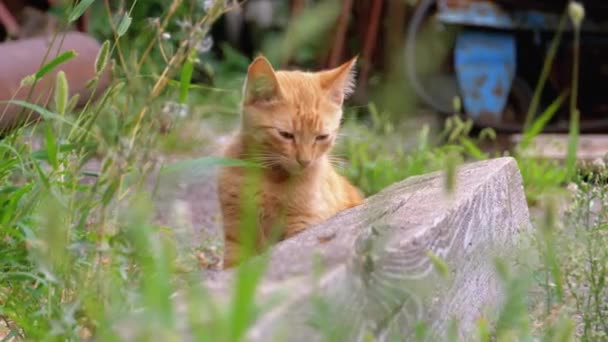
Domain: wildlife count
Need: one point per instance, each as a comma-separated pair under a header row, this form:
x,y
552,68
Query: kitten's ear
x,y
340,81
261,84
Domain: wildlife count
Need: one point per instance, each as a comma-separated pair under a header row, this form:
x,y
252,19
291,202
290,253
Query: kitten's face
x,y
293,117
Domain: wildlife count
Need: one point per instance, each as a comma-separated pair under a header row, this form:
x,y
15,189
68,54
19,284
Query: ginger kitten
x,y
290,121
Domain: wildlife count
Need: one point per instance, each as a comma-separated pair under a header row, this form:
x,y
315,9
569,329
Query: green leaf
x,y
451,165
566,331
483,330
186,78
440,265
43,177
102,57
421,331
45,113
61,93
51,145
79,9
125,22
539,124
8,189
110,191
50,66
472,149
72,103
602,227
573,135
205,162
42,154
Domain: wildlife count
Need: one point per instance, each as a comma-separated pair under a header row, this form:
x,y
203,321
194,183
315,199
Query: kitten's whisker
x,y
337,156
333,155
260,155
265,160
336,160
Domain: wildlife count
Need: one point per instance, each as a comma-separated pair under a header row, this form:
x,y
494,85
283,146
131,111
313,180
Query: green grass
x,y
79,250
377,154
81,254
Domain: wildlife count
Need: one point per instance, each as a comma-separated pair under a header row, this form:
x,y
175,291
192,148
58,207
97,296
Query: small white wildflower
x,y
576,11
183,111
183,23
169,107
166,35
153,21
104,246
124,143
572,188
182,213
61,171
599,163
205,45
207,4
174,109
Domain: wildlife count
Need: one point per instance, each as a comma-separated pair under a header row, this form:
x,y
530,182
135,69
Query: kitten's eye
x,y
322,137
286,135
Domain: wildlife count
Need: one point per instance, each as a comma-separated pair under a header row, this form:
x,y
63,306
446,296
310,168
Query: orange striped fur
x,y
290,121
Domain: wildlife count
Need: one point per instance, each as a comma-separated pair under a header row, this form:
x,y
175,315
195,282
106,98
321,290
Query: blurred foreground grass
x,y
81,253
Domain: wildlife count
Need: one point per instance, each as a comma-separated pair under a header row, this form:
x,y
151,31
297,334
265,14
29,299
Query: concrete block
x,y
369,269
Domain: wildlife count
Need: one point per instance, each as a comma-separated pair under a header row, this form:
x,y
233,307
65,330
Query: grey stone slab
x,y
378,277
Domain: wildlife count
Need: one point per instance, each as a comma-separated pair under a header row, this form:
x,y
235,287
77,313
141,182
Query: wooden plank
x,y
555,146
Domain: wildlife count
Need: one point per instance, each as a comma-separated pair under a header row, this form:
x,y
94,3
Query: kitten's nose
x,y
303,162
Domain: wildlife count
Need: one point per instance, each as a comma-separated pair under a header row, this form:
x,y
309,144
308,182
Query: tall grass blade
x,y
44,113
51,145
79,10
539,124
62,93
573,135
574,130
472,149
125,22
101,60
50,66
544,75
186,78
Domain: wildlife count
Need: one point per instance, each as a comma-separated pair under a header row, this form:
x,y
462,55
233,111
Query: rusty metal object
x,y
19,59
8,21
29,18
82,24
35,22
336,53
531,25
368,16
371,39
